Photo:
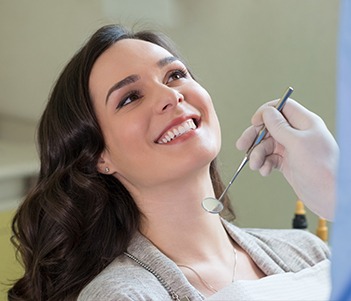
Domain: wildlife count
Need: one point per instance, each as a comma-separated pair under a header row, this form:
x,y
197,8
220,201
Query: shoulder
x,y
142,273
123,280
292,240
294,249
281,250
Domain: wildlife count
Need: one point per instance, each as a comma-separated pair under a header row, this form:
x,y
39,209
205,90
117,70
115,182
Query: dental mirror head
x,y
212,205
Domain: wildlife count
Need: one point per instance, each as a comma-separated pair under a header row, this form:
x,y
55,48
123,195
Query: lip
x,y
177,121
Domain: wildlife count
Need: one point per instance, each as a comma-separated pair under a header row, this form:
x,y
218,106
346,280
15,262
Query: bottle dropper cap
x,y
300,221
322,230
300,208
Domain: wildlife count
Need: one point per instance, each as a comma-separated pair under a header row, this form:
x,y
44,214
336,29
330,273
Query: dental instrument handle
x,y
261,134
241,166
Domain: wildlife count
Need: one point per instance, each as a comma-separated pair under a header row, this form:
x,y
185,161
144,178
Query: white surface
x,y
308,284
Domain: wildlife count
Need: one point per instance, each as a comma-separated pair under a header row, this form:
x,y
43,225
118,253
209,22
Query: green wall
x,y
244,52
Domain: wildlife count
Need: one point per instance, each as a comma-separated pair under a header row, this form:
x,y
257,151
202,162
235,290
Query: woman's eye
x,y
177,74
131,97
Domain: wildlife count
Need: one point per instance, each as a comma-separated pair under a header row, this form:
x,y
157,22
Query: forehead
x,y
131,52
125,57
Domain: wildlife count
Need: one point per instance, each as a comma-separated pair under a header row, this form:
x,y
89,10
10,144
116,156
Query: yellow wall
x,y
9,267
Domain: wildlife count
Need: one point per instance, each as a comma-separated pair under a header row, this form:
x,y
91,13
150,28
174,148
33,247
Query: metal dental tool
x,y
213,205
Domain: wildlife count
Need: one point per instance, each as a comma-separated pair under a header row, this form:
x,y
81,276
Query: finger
x,y
257,119
298,116
260,153
267,168
278,126
270,163
246,139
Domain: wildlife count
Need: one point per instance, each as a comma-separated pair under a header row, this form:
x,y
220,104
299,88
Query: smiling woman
x,y
154,95
128,146
77,220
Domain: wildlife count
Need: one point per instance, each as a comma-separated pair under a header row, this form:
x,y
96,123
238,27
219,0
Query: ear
x,y
104,165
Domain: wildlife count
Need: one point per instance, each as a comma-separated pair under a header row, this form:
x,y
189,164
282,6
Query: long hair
x,y
75,221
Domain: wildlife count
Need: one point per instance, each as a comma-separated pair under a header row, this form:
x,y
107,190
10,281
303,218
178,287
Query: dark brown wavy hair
x,y
75,221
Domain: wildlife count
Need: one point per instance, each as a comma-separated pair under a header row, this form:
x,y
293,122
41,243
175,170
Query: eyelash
x,y
131,96
182,72
135,94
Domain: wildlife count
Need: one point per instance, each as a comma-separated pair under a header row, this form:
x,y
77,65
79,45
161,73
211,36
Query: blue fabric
x,y
341,233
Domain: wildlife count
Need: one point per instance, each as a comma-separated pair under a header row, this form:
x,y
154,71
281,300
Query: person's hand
x,y
298,144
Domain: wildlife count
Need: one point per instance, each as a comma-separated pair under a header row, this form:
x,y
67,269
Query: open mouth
x,y
177,131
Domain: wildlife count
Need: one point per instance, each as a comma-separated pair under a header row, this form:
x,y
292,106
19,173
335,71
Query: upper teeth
x,y
177,131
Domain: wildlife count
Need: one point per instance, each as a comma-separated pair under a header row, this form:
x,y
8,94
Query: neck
x,y
178,225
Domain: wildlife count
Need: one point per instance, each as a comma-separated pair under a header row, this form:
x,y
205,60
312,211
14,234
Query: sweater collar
x,y
145,251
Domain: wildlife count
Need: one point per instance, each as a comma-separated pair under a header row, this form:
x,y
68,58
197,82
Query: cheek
x,y
201,100
213,122
124,141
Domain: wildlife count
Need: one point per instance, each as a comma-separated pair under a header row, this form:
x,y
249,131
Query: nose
x,y
167,98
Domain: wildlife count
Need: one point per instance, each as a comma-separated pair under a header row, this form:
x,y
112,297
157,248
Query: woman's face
x,y
158,123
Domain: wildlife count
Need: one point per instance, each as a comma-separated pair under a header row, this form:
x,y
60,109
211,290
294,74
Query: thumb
x,y
277,126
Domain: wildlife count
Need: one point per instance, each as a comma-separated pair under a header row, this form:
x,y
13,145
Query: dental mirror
x,y
215,206
212,205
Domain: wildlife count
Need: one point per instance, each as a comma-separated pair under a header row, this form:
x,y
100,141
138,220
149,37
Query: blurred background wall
x,y
244,52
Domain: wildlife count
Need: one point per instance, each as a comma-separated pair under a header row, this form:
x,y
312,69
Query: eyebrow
x,y
134,77
124,82
167,60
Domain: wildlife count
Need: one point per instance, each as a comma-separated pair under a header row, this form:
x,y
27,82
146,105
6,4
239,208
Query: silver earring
x,y
107,169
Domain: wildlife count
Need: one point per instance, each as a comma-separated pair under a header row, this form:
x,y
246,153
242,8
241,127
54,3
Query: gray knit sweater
x,y
150,275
